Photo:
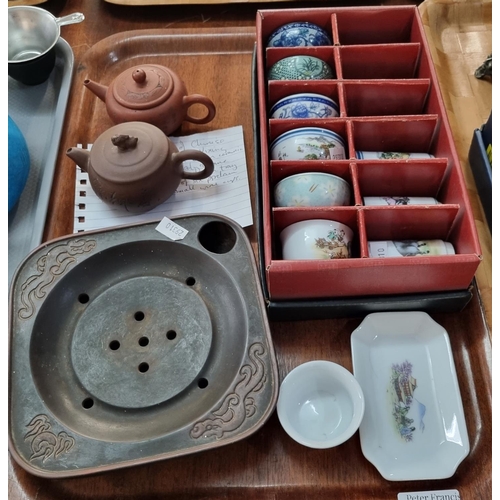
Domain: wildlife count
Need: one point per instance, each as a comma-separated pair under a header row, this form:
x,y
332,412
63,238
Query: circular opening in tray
x,y
217,237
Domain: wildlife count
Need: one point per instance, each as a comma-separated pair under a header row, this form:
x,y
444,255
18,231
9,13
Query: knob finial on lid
x,y
139,76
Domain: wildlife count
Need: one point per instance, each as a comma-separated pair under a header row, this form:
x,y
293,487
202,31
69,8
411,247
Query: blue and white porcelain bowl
x,y
308,143
312,189
300,67
299,34
305,105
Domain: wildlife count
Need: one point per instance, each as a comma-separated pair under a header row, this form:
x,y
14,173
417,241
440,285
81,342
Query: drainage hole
x,y
114,345
143,341
171,334
139,316
87,403
202,383
143,367
190,281
83,298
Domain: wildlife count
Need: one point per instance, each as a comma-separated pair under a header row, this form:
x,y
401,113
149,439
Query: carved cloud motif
x,y
239,404
50,267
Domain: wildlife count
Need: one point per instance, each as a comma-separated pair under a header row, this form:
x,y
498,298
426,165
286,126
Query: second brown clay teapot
x,y
136,166
151,93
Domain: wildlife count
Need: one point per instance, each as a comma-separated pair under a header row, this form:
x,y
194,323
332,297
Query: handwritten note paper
x,y
225,192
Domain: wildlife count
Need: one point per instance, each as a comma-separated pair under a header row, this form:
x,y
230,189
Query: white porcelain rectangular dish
x,y
414,426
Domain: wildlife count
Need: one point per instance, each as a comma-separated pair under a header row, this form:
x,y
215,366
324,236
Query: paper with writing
x,y
225,192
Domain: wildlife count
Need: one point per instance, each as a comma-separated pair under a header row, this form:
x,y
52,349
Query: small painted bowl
x,y
308,143
300,67
320,404
299,34
316,239
305,106
312,189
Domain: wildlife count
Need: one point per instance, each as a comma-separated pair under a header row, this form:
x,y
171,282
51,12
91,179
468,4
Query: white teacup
x,y
320,404
308,143
312,189
316,239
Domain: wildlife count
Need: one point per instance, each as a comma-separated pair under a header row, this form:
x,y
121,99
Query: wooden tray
x,y
186,2
267,465
215,62
12,3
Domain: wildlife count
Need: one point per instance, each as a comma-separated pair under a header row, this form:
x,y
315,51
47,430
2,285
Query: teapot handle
x,y
189,100
194,154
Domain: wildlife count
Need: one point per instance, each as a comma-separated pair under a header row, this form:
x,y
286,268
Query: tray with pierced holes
x,y
127,347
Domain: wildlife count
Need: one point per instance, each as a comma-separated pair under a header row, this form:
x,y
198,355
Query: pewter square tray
x,y
127,347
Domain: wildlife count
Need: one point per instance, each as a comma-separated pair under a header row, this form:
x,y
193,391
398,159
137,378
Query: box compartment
x,y
379,26
378,61
374,98
389,101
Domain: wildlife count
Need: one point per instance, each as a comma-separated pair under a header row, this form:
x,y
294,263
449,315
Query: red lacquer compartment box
x,y
391,123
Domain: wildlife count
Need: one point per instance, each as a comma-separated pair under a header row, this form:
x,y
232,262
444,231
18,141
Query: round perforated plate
x,y
141,342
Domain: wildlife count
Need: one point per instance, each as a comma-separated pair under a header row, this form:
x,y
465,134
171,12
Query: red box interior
x,y
389,100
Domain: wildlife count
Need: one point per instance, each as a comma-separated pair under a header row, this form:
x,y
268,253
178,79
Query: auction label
x,y
171,230
430,495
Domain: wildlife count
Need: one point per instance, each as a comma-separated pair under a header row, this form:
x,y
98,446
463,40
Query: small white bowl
x,y
312,189
316,239
320,404
308,143
305,105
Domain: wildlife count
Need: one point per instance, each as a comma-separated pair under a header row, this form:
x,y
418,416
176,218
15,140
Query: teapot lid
x,y
129,152
143,87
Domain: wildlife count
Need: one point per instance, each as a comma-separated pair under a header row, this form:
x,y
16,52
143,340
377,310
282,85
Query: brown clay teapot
x,y
135,165
151,93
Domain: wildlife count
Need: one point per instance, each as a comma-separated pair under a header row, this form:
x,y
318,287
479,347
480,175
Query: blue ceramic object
x,y
305,106
299,34
19,163
300,68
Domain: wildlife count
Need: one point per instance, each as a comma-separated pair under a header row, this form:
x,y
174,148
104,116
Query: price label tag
x,y
171,230
430,495
377,249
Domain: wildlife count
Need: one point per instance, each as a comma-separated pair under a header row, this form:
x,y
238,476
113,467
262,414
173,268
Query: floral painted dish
x,y
414,426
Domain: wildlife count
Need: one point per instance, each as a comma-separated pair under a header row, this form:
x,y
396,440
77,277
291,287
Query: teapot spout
x,y
80,156
98,89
